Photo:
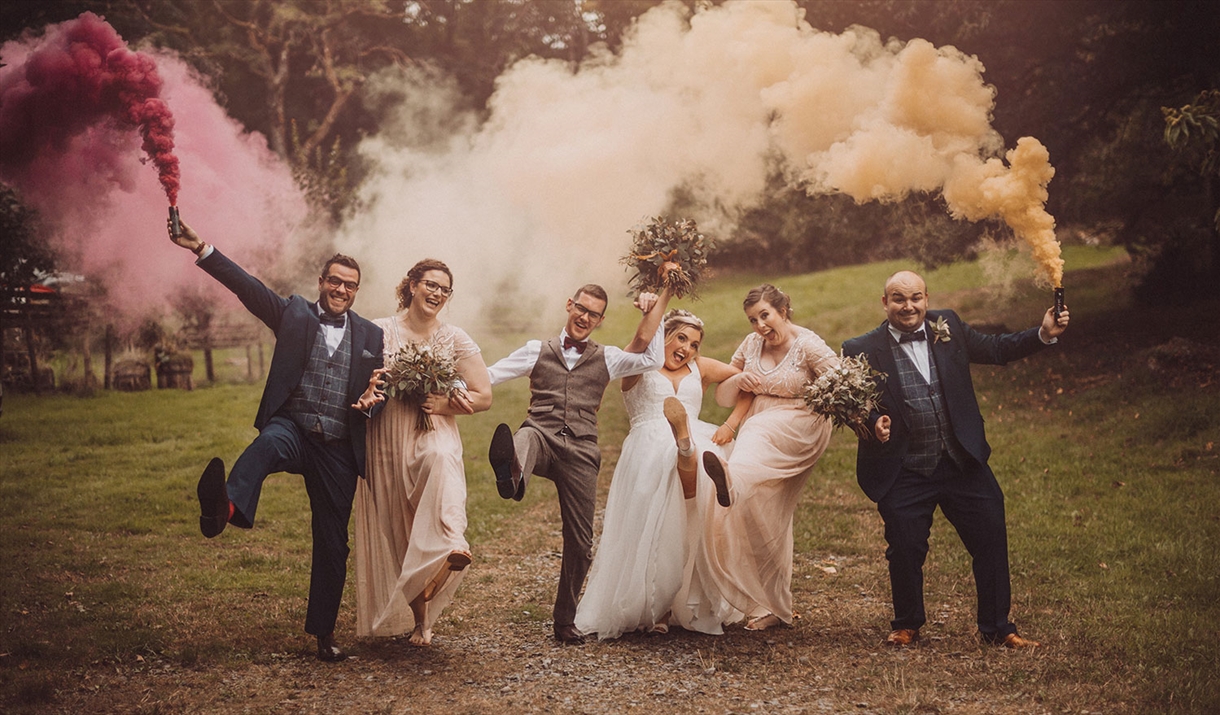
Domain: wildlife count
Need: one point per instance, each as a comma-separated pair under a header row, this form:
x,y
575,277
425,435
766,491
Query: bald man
x,y
928,449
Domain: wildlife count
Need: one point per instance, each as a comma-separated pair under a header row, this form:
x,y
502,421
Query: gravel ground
x,y
493,651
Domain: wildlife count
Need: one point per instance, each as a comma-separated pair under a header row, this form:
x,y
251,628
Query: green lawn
x,y
1110,468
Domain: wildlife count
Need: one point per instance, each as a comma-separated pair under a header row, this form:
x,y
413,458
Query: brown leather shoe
x,y
719,472
569,634
902,637
1016,642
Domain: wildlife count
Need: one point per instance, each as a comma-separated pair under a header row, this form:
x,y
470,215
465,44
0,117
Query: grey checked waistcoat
x,y
567,398
319,403
931,433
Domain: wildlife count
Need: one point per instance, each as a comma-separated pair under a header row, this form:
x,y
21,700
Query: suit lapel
x,y
883,360
357,350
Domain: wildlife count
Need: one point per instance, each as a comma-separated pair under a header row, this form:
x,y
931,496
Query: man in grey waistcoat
x,y
311,420
558,440
930,450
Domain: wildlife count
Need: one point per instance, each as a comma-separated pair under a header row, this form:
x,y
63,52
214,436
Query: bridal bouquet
x,y
846,394
418,370
661,241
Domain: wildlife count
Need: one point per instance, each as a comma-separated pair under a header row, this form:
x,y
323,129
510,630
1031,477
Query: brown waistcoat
x,y
560,397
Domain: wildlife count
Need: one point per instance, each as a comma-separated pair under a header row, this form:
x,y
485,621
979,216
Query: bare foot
x,y
421,636
762,623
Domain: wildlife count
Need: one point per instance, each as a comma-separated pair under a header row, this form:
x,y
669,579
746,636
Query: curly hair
x,y
415,275
677,319
776,297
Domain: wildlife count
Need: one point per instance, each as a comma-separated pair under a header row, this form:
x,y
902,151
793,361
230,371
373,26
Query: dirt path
x,y
493,652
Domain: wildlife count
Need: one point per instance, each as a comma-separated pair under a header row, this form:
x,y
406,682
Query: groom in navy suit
x,y
320,391
930,450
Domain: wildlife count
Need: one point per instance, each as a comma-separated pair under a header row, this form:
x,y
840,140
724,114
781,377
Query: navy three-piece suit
x,y
330,466
961,482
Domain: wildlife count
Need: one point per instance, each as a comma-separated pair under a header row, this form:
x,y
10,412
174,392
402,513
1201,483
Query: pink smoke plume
x,y
104,211
79,75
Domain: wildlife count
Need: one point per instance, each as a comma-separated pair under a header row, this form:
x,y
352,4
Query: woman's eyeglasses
x,y
434,287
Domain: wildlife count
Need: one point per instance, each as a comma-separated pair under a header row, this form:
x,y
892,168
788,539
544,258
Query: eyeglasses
x,y
335,282
434,287
593,314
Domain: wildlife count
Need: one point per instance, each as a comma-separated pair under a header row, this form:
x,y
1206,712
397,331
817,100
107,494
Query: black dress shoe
x,y
327,650
569,635
213,499
503,458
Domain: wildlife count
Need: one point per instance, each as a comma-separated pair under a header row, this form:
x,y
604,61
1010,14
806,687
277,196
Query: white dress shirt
x,y
917,350
619,362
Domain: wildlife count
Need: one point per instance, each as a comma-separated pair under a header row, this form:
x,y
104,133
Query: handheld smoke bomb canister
x,y
1058,303
175,226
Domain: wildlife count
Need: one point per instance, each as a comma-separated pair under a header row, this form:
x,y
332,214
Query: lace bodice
x,y
645,401
808,357
446,335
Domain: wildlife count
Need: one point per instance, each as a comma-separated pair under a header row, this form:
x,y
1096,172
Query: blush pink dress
x,y
410,511
749,545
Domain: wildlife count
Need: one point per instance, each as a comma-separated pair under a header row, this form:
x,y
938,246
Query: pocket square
x,y
366,354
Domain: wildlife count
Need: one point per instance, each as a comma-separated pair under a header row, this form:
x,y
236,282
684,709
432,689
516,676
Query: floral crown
x,y
677,317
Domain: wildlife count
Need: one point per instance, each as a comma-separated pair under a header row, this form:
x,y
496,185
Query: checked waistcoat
x,y
931,433
318,404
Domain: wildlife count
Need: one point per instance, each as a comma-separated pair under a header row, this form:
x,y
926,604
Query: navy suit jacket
x,y
878,464
294,320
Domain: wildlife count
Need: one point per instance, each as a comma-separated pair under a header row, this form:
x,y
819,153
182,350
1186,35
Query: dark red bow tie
x,y
577,345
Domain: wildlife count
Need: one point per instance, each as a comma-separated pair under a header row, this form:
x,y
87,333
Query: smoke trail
x,y
77,76
539,197
105,211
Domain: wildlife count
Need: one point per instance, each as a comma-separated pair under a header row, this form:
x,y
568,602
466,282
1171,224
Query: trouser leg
x,y
577,487
907,512
330,480
974,504
278,448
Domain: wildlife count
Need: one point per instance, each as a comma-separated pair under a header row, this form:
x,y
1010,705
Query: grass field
x,y
110,601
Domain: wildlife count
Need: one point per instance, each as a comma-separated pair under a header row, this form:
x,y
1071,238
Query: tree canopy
x,y
1089,78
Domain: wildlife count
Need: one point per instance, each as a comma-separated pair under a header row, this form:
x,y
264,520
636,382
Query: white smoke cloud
x,y
539,198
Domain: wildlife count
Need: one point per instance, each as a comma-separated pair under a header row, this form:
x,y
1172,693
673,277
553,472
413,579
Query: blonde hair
x,y
678,319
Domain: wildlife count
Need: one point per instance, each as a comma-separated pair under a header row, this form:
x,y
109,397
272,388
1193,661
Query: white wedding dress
x,y
649,567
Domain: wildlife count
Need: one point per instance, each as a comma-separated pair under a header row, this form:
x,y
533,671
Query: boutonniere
x,y
940,330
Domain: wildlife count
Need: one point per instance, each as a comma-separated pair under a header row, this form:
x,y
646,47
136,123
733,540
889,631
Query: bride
x,y
648,571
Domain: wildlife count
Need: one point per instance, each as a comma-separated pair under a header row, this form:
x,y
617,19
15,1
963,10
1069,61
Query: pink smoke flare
x,y
79,75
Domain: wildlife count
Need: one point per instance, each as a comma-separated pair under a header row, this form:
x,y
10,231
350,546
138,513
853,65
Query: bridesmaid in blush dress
x,y
749,546
411,548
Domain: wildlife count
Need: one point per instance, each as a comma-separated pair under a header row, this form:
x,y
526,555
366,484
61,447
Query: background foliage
x,y
1089,78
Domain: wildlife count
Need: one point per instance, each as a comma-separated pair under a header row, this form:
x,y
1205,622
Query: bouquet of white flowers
x,y
846,394
418,370
660,242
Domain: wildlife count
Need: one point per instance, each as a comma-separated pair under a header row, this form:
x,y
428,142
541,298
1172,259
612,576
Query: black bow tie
x,y
337,321
913,337
577,345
